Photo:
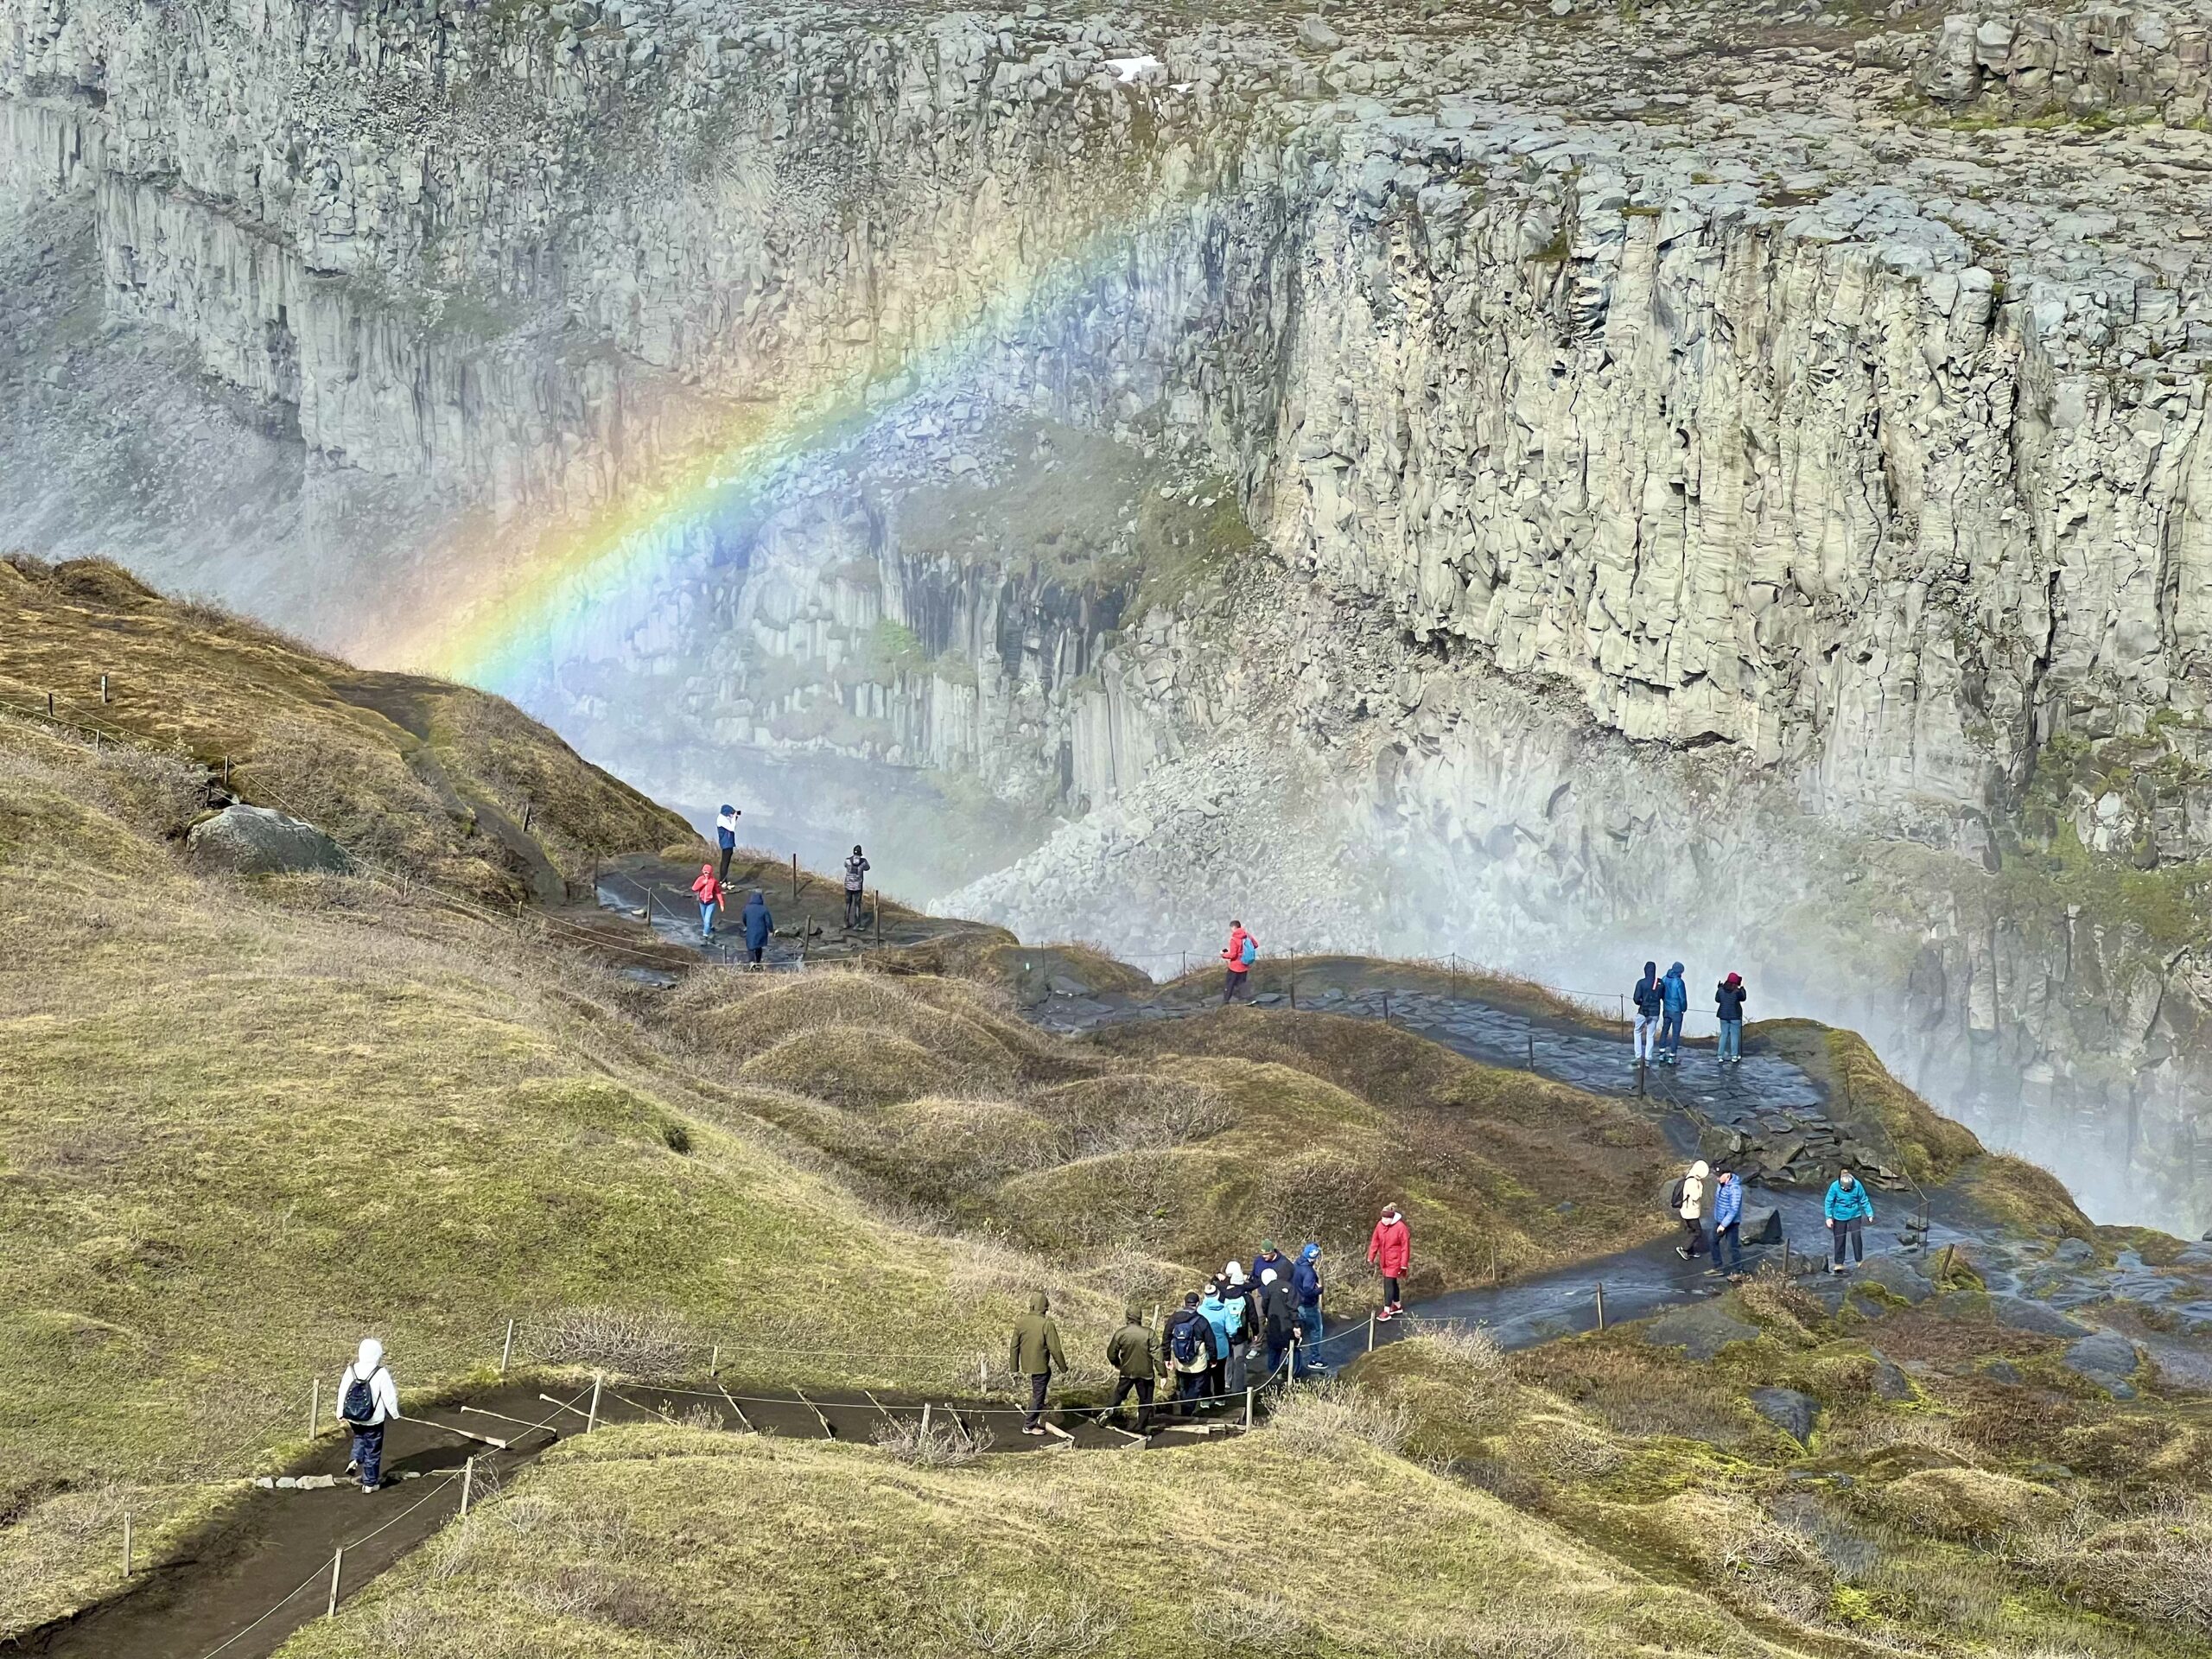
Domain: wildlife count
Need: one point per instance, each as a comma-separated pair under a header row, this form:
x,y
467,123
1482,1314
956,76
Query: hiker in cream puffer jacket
x,y
1693,1211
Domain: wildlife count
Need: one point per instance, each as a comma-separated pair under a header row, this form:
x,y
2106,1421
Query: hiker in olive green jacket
x,y
1136,1362
1036,1354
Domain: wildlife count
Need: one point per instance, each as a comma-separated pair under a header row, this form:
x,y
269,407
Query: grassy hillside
x,y
1309,1540
433,780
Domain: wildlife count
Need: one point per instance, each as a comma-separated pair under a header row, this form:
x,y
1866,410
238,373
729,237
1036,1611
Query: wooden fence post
x,y
507,1348
591,1420
794,877
314,1405
714,1361
337,1566
105,696
1370,1332
126,1543
1248,1392
527,807
925,1422
1601,1304
468,1482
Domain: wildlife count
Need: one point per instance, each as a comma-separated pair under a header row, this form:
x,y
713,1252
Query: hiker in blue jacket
x,y
1849,1207
1727,1217
1305,1288
1675,1002
726,835
1225,1317
759,924
1650,1001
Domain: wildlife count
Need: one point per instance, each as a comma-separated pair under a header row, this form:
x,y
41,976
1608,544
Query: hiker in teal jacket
x,y
1849,1207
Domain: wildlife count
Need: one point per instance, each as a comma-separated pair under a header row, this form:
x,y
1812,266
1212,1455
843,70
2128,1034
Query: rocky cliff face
x,y
1561,490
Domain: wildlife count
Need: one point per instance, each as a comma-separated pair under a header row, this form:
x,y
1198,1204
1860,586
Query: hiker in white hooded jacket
x,y
367,1400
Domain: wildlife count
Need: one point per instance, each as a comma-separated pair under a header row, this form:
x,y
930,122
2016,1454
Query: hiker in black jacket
x,y
1278,1319
1189,1346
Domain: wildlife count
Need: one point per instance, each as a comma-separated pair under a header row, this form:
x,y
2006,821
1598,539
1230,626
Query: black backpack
x,y
360,1402
1183,1340
1677,1193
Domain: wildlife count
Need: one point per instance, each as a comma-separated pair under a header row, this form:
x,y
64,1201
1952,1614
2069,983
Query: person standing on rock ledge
x,y
367,1400
1849,1207
1650,1002
1729,997
726,835
1674,999
856,868
1036,1354
1241,951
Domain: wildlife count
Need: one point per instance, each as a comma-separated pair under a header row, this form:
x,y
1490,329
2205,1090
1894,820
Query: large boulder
x,y
256,841
1795,1413
2108,1360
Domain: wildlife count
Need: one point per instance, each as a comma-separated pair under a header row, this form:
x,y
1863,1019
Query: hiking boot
x,y
1682,1250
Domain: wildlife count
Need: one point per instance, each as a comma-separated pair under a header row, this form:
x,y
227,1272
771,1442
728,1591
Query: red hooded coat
x,y
1391,1249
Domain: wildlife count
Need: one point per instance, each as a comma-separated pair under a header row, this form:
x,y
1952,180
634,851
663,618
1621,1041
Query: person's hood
x,y
1234,1272
706,869
1310,1253
1133,1315
729,811
1211,1299
371,1356
1734,980
1267,1276
1391,1214
1038,1301
1675,972
1652,970
1698,1171
1845,1177
756,899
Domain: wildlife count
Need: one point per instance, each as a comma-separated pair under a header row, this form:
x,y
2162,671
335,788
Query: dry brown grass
x,y
624,1341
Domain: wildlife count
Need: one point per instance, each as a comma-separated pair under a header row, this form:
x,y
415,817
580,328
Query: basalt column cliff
x,y
1561,484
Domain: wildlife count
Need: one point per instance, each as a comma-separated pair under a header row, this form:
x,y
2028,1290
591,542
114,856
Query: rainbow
x,y
502,621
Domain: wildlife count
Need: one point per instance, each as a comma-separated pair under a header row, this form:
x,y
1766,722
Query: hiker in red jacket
x,y
1243,951
708,889
1391,1249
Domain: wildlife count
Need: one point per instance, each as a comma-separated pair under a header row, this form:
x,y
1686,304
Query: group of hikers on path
x,y
1846,1209
711,889
1205,1349
1662,999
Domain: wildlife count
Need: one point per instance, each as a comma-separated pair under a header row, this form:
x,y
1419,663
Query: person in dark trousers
x,y
1278,1320
856,868
1847,1209
1224,1313
1650,1002
1243,1299
1135,1364
1728,998
759,925
367,1400
1270,1257
726,835
1036,1354
1390,1247
1727,1219
1187,1346
708,890
1240,952
1305,1281
1674,1003
1691,1208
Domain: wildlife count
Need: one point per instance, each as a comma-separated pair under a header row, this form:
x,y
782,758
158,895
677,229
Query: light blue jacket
x,y
1226,1318
1852,1203
1676,993
1728,1204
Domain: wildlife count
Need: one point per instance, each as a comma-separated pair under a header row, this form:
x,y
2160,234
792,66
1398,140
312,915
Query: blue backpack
x,y
361,1402
1250,953
1183,1341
